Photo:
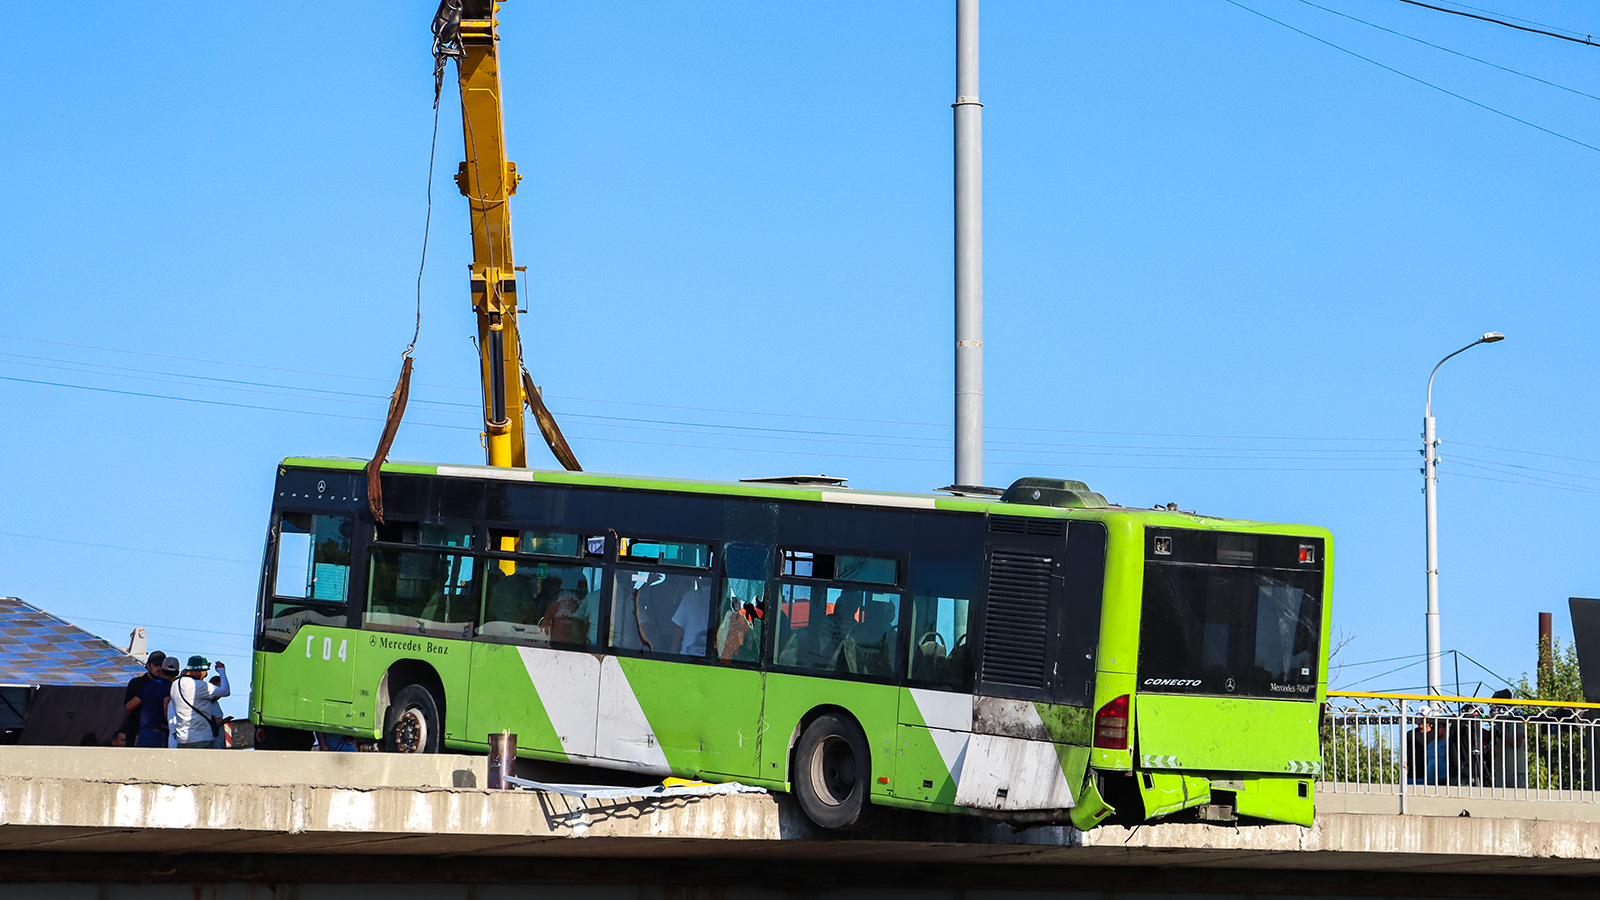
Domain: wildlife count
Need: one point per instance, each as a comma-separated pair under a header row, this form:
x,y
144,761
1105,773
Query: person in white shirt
x,y
694,609
197,719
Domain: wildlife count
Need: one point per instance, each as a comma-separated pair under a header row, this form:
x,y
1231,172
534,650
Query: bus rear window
x,y
1230,631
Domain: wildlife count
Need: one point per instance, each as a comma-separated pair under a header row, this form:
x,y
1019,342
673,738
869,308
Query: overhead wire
x,y
101,545
1513,18
1586,39
1450,51
1372,678
745,412
374,400
1409,77
1074,455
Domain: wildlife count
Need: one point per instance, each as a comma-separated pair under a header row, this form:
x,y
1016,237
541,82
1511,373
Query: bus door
x,y
306,614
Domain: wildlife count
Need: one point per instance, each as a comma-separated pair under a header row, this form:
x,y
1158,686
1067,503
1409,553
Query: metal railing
x,y
1460,747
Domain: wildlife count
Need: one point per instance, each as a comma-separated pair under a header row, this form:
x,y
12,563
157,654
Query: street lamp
x,y
1430,478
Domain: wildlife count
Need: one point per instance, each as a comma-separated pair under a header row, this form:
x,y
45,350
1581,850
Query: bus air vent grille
x,y
1016,622
1027,525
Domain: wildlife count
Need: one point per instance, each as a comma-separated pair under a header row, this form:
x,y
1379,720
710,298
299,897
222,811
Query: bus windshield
x,y
1230,630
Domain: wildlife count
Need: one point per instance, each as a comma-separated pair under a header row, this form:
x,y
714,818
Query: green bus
x,y
1040,656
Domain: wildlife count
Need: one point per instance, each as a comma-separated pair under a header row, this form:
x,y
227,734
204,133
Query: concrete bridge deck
x,y
418,817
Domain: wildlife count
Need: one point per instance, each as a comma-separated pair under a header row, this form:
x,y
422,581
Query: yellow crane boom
x,y
467,31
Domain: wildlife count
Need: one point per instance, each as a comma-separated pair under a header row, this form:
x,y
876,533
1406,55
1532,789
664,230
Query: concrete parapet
x,y
92,800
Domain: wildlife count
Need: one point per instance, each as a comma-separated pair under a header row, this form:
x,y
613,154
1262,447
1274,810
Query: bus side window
x,y
742,608
939,640
845,631
662,610
542,603
420,591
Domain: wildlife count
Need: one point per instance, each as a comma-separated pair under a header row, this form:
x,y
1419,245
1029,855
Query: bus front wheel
x,y
833,772
413,724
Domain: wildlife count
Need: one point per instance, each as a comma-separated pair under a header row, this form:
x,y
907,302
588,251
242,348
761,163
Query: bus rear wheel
x,y
413,724
833,772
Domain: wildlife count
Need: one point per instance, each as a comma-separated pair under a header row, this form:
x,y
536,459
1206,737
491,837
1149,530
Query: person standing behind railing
x,y
194,704
1418,742
1506,756
151,705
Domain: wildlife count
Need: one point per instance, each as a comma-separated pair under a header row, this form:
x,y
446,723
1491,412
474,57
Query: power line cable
x,y
725,411
164,627
1450,51
760,430
104,546
1528,452
1527,468
1385,674
1533,480
1524,484
1514,18
1428,84
1480,665
1586,39
1374,662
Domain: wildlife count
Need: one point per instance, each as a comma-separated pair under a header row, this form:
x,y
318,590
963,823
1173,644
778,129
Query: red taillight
x,y
1111,725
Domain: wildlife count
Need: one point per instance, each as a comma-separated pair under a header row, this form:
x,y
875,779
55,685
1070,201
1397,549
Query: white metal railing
x,y
1460,747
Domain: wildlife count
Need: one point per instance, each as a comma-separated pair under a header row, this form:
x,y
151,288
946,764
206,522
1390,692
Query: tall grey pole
x,y
1430,480
969,249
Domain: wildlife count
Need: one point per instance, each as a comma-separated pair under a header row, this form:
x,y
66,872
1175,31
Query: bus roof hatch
x,y
1052,492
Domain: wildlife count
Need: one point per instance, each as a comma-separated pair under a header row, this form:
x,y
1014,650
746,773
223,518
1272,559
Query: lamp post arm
x,y
1429,410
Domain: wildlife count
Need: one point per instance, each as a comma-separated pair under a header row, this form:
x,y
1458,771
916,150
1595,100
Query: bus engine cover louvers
x,y
1016,632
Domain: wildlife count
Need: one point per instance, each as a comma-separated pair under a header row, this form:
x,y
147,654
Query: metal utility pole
x,y
1430,479
969,249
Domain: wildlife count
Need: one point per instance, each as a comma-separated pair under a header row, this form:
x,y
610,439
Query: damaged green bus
x,y
1040,656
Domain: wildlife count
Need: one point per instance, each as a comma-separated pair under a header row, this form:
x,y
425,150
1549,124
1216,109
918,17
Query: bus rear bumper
x,y
1225,797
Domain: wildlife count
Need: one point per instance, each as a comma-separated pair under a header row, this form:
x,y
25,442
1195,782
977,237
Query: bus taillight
x,y
1111,725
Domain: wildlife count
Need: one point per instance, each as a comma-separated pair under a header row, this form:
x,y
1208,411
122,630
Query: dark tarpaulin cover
x,y
74,715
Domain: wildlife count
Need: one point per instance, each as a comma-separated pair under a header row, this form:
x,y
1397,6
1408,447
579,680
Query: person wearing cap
x,y
197,719
151,706
152,672
1417,744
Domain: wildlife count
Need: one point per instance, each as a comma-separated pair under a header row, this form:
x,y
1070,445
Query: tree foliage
x,y
1561,682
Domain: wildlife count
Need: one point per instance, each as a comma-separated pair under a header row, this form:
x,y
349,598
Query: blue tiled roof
x,y
38,648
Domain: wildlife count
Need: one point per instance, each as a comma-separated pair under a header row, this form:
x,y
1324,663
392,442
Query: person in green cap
x,y
197,719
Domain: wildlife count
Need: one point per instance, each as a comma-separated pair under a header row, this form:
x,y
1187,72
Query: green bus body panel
x,y
309,691
790,697
1279,799
708,718
502,697
1165,793
378,650
1228,735
1067,724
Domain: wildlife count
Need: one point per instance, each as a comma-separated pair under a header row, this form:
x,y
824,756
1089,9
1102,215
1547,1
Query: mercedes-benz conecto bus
x,y
1042,656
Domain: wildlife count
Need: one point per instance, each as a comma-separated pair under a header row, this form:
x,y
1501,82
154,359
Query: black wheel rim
x,y
833,770
411,731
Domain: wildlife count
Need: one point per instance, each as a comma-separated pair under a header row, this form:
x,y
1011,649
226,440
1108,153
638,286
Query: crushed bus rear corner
x,y
1209,695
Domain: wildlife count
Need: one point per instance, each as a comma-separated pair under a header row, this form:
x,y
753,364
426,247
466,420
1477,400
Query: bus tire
x,y
833,772
412,723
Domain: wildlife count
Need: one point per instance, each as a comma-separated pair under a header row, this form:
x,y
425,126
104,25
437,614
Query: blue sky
x,y
1221,258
